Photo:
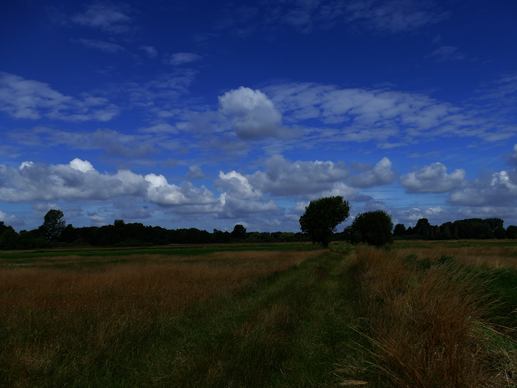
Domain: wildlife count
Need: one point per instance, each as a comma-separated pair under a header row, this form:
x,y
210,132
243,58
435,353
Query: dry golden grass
x,y
47,313
158,284
425,326
491,256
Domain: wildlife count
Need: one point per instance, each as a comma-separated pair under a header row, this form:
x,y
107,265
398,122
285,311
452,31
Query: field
x,y
420,314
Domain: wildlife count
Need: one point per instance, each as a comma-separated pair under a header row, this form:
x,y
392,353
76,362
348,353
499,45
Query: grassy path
x,y
286,332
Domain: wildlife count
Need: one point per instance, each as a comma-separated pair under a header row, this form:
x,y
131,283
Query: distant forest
x,y
122,234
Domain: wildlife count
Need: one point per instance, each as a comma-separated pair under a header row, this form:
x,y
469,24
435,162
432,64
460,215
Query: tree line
x,y
470,228
318,224
54,233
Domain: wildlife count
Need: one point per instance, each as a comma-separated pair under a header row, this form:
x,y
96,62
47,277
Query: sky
x,y
208,114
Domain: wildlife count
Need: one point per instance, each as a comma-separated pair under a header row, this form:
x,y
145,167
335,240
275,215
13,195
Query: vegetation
x,y
373,228
321,218
418,314
471,228
253,319
53,224
318,225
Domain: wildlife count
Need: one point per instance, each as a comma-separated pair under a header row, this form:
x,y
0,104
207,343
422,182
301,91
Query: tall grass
x,y
425,326
69,327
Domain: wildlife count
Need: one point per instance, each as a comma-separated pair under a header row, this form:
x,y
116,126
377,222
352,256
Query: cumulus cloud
x,y
195,172
412,215
252,113
131,212
74,181
162,193
285,178
381,174
236,185
40,209
30,99
97,219
81,165
235,207
498,190
433,179
108,18
339,188
177,59
11,220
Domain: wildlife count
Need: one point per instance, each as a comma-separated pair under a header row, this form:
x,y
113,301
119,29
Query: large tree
x,y
239,232
373,228
321,218
53,224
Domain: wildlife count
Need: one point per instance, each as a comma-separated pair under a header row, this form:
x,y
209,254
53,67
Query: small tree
x,y
321,218
373,228
53,224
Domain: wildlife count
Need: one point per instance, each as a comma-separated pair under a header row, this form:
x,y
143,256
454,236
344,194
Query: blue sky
x,y
211,113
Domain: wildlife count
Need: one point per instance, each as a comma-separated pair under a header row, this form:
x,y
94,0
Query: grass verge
x,y
428,322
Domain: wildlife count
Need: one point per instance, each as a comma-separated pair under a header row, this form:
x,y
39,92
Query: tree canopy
x,y
322,217
373,228
53,224
239,232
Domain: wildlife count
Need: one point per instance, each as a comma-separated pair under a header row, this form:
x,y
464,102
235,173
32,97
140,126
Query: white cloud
x,y
412,215
195,172
372,115
381,174
339,188
108,18
285,178
71,182
236,185
150,50
10,220
177,59
40,209
111,48
252,112
394,15
81,165
159,128
162,193
514,154
30,99
97,219
234,207
433,179
446,53
113,142
498,190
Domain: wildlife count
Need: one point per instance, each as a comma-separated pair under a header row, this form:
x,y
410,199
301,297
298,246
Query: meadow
x,y
416,314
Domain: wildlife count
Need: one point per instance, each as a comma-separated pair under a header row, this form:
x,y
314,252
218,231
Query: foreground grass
x,y
420,316
431,321
223,320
